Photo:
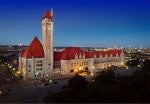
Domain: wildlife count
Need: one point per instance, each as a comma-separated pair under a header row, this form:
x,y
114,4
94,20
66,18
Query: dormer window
x,y
117,55
110,55
76,56
94,56
80,56
106,55
100,56
83,56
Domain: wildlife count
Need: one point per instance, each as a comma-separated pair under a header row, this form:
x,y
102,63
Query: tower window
x,y
38,69
39,75
39,61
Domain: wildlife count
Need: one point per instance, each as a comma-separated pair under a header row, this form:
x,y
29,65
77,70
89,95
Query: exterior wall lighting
x,y
18,72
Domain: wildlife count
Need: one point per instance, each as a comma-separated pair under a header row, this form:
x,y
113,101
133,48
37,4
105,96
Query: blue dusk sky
x,y
89,23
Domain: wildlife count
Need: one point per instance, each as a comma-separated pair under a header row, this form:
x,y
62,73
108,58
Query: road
x,y
31,93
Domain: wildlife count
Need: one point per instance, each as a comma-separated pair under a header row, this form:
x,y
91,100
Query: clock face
x,y
49,28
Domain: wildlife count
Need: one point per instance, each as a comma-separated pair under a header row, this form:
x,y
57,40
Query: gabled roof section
x,y
35,50
48,14
70,52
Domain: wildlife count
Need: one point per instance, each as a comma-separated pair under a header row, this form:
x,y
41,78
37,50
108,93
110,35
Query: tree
x,y
146,65
77,83
106,77
3,59
132,62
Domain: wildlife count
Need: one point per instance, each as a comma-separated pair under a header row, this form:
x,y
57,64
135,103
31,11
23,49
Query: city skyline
x,y
105,23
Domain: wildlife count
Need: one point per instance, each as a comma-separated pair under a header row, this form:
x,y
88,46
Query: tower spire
x,y
48,14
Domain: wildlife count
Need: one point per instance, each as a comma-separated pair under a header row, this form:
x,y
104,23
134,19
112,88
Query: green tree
x,y
77,83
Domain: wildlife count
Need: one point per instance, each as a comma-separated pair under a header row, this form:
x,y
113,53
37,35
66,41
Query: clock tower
x,y
47,33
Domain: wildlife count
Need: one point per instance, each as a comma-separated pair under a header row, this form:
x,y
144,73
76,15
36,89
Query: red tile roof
x,y
57,56
48,15
109,53
35,50
89,54
70,52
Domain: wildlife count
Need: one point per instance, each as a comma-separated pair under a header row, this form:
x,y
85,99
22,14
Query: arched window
x,y
71,71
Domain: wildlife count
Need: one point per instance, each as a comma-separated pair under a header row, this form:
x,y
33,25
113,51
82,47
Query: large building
x,y
40,61
74,59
